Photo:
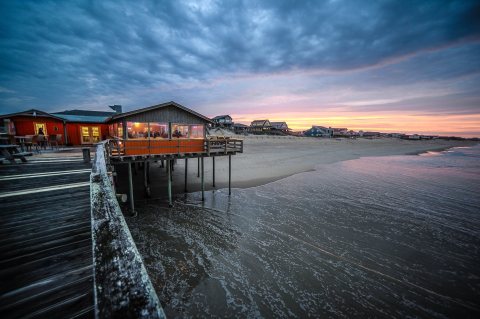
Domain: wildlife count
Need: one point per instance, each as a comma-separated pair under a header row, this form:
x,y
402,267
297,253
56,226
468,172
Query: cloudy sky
x,y
409,66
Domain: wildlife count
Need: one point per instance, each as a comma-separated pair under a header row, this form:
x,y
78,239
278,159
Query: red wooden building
x,y
76,127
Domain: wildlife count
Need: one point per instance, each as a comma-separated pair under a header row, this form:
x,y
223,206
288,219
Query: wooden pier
x,y
46,264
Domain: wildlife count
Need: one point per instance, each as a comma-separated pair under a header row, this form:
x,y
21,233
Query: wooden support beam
x,y
169,183
148,172
186,173
130,190
229,175
145,178
213,168
198,167
203,181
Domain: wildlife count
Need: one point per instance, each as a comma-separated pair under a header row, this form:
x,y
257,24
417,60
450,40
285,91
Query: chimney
x,y
116,108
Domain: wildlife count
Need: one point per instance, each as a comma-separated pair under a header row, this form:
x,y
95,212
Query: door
x,y
40,127
90,134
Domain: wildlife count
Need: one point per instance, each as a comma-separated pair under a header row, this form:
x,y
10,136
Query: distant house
x,y
223,121
319,131
240,128
370,134
340,131
396,135
260,126
280,126
414,137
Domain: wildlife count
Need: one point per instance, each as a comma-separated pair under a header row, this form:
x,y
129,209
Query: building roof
x,y
239,125
85,113
318,127
220,117
83,118
32,113
160,106
279,125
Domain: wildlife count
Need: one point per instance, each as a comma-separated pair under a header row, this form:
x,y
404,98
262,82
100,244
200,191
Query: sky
x,y
392,66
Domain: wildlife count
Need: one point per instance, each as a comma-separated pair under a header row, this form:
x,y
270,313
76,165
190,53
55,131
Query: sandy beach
x,y
270,158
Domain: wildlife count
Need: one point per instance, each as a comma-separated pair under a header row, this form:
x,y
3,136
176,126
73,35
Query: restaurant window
x,y
119,130
137,130
111,130
158,130
90,134
196,131
40,127
179,131
95,134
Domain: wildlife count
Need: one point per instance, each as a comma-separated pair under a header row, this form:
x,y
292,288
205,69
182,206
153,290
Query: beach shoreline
x,y
267,159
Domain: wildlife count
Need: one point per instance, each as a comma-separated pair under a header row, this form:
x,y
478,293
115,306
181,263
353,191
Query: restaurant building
x,y
85,127
162,128
33,122
74,127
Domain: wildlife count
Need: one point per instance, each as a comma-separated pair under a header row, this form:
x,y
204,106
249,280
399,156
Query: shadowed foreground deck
x,y
46,266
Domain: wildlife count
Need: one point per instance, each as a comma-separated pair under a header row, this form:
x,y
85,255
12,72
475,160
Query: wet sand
x,y
269,158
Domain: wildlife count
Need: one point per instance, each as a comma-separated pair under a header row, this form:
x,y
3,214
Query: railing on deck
x,y
122,147
224,145
121,283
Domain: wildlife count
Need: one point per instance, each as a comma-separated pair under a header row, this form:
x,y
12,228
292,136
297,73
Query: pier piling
x,y
169,173
203,180
186,173
145,178
130,189
213,168
229,175
198,167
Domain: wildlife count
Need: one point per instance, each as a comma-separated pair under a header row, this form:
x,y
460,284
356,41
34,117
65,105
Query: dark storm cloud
x,y
57,53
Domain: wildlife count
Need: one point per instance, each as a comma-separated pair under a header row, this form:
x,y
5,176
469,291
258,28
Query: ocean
x,y
395,236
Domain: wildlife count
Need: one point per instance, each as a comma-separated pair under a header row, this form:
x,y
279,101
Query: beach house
x,y
337,131
280,127
260,126
223,121
239,128
319,131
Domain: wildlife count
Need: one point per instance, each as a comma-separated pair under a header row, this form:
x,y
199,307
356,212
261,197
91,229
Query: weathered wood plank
x,y
46,267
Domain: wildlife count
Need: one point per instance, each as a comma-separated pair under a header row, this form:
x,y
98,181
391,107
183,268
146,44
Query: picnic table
x,y
21,140
11,152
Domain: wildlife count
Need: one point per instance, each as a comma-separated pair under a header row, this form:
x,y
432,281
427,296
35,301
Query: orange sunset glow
x,y
460,125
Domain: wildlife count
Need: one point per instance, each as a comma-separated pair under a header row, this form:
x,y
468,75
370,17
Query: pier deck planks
x,y
46,266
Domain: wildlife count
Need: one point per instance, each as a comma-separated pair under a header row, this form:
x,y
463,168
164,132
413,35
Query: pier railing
x,y
121,283
210,146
